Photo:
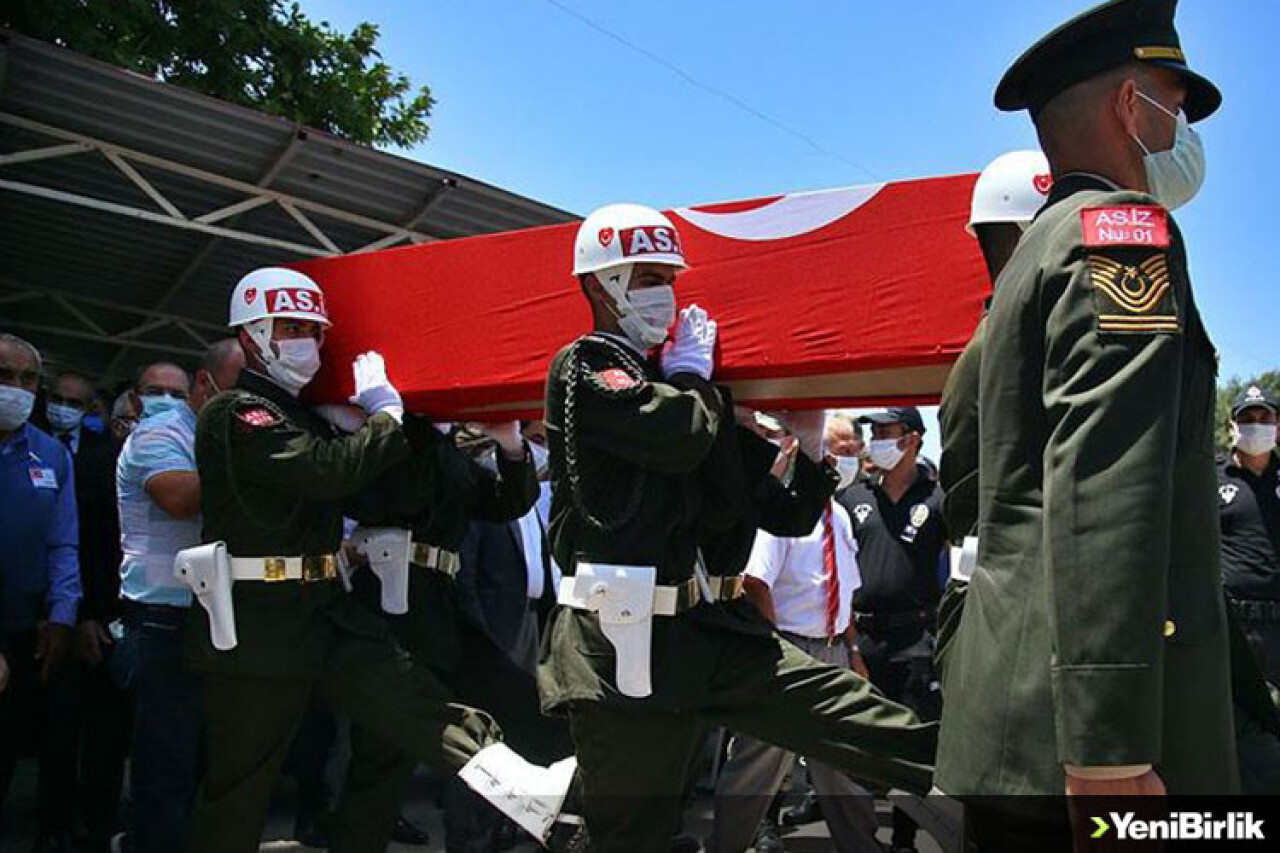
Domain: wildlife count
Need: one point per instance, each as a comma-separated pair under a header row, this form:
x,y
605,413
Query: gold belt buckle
x,y
688,596
448,562
731,587
421,555
274,569
319,568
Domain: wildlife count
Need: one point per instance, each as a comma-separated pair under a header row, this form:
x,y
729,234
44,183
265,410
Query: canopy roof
x,y
129,207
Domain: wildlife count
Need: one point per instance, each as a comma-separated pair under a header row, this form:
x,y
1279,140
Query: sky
x,y
693,102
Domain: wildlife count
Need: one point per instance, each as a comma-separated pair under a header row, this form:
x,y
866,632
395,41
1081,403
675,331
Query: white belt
x,y
667,600
275,569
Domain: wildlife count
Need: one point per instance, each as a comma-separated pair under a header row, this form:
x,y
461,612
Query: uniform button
x,y
1169,628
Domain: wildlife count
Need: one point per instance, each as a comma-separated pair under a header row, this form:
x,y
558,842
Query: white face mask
x,y
15,406
1254,439
541,460
1175,175
885,453
63,418
647,315
296,365
848,467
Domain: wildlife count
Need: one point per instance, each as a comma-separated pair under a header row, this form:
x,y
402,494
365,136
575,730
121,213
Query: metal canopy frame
x,y
129,207
256,195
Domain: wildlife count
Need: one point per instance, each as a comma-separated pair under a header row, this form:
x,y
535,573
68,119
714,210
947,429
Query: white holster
x,y
387,549
623,597
207,570
964,558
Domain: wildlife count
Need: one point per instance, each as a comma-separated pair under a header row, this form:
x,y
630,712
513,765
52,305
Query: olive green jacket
x,y
1093,632
276,480
647,471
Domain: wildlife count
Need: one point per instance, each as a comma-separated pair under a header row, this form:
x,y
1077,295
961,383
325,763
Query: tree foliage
x,y
1233,388
264,54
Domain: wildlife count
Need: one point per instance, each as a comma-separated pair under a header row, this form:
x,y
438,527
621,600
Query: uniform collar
x,y
252,381
1075,182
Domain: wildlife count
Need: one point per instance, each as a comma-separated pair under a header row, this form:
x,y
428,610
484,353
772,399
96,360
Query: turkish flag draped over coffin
x,y
856,296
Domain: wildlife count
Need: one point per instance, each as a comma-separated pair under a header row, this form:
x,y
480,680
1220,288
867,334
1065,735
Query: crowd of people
x,y
203,581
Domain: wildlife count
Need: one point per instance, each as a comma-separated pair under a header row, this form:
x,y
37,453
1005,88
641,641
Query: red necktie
x,y
830,574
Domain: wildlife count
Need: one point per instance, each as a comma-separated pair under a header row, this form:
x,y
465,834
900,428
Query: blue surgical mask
x,y
1174,175
63,418
15,406
158,404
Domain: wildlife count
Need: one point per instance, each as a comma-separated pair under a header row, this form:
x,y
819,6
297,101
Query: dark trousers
x,y
900,664
39,719
632,757
1264,639
989,829
168,722
476,672
250,722
104,723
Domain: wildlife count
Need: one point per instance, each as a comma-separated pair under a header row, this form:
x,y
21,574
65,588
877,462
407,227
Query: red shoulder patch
x,y
617,379
1127,225
258,417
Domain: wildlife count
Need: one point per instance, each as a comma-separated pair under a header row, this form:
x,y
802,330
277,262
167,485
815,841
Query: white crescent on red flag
x,y
853,296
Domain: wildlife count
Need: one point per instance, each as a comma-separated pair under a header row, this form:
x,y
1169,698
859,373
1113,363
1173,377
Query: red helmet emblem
x,y
250,295
1042,183
606,236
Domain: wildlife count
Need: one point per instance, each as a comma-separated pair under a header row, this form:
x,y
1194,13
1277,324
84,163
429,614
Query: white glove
x,y
809,428
374,392
507,434
692,345
346,419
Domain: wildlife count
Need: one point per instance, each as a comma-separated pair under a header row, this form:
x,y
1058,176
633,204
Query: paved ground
x,y
18,822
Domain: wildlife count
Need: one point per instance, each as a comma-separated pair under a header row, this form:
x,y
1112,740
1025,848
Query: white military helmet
x,y
1011,189
619,234
272,292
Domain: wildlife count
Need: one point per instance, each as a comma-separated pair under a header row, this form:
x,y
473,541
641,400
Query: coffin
x,y
847,297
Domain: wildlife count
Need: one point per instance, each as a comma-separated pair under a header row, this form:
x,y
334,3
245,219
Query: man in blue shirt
x,y
159,498
39,588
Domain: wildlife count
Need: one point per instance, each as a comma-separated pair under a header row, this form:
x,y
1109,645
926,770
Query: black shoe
x,y
405,832
567,838
768,839
809,811
312,830
685,844
505,836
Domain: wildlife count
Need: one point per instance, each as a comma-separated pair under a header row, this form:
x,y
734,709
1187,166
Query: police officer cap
x,y
1253,396
908,415
1103,38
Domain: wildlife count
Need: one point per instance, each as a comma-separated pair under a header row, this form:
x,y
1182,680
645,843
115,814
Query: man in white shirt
x,y
805,587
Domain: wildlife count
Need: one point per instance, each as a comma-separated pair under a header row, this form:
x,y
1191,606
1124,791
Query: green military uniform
x,y
649,472
958,476
436,632
276,482
1093,631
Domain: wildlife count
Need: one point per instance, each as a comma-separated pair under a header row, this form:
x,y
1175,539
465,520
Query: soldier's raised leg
x,y
768,688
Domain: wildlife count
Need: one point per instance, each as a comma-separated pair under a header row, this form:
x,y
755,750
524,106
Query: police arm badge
x,y
1129,268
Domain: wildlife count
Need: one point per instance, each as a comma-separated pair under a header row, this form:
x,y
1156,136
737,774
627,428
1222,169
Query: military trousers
x,y
471,666
251,718
632,753
755,771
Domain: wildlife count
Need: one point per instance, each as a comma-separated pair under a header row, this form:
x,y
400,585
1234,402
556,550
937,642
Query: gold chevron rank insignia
x,y
1135,298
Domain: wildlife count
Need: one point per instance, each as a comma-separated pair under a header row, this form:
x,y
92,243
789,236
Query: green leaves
x,y
264,54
